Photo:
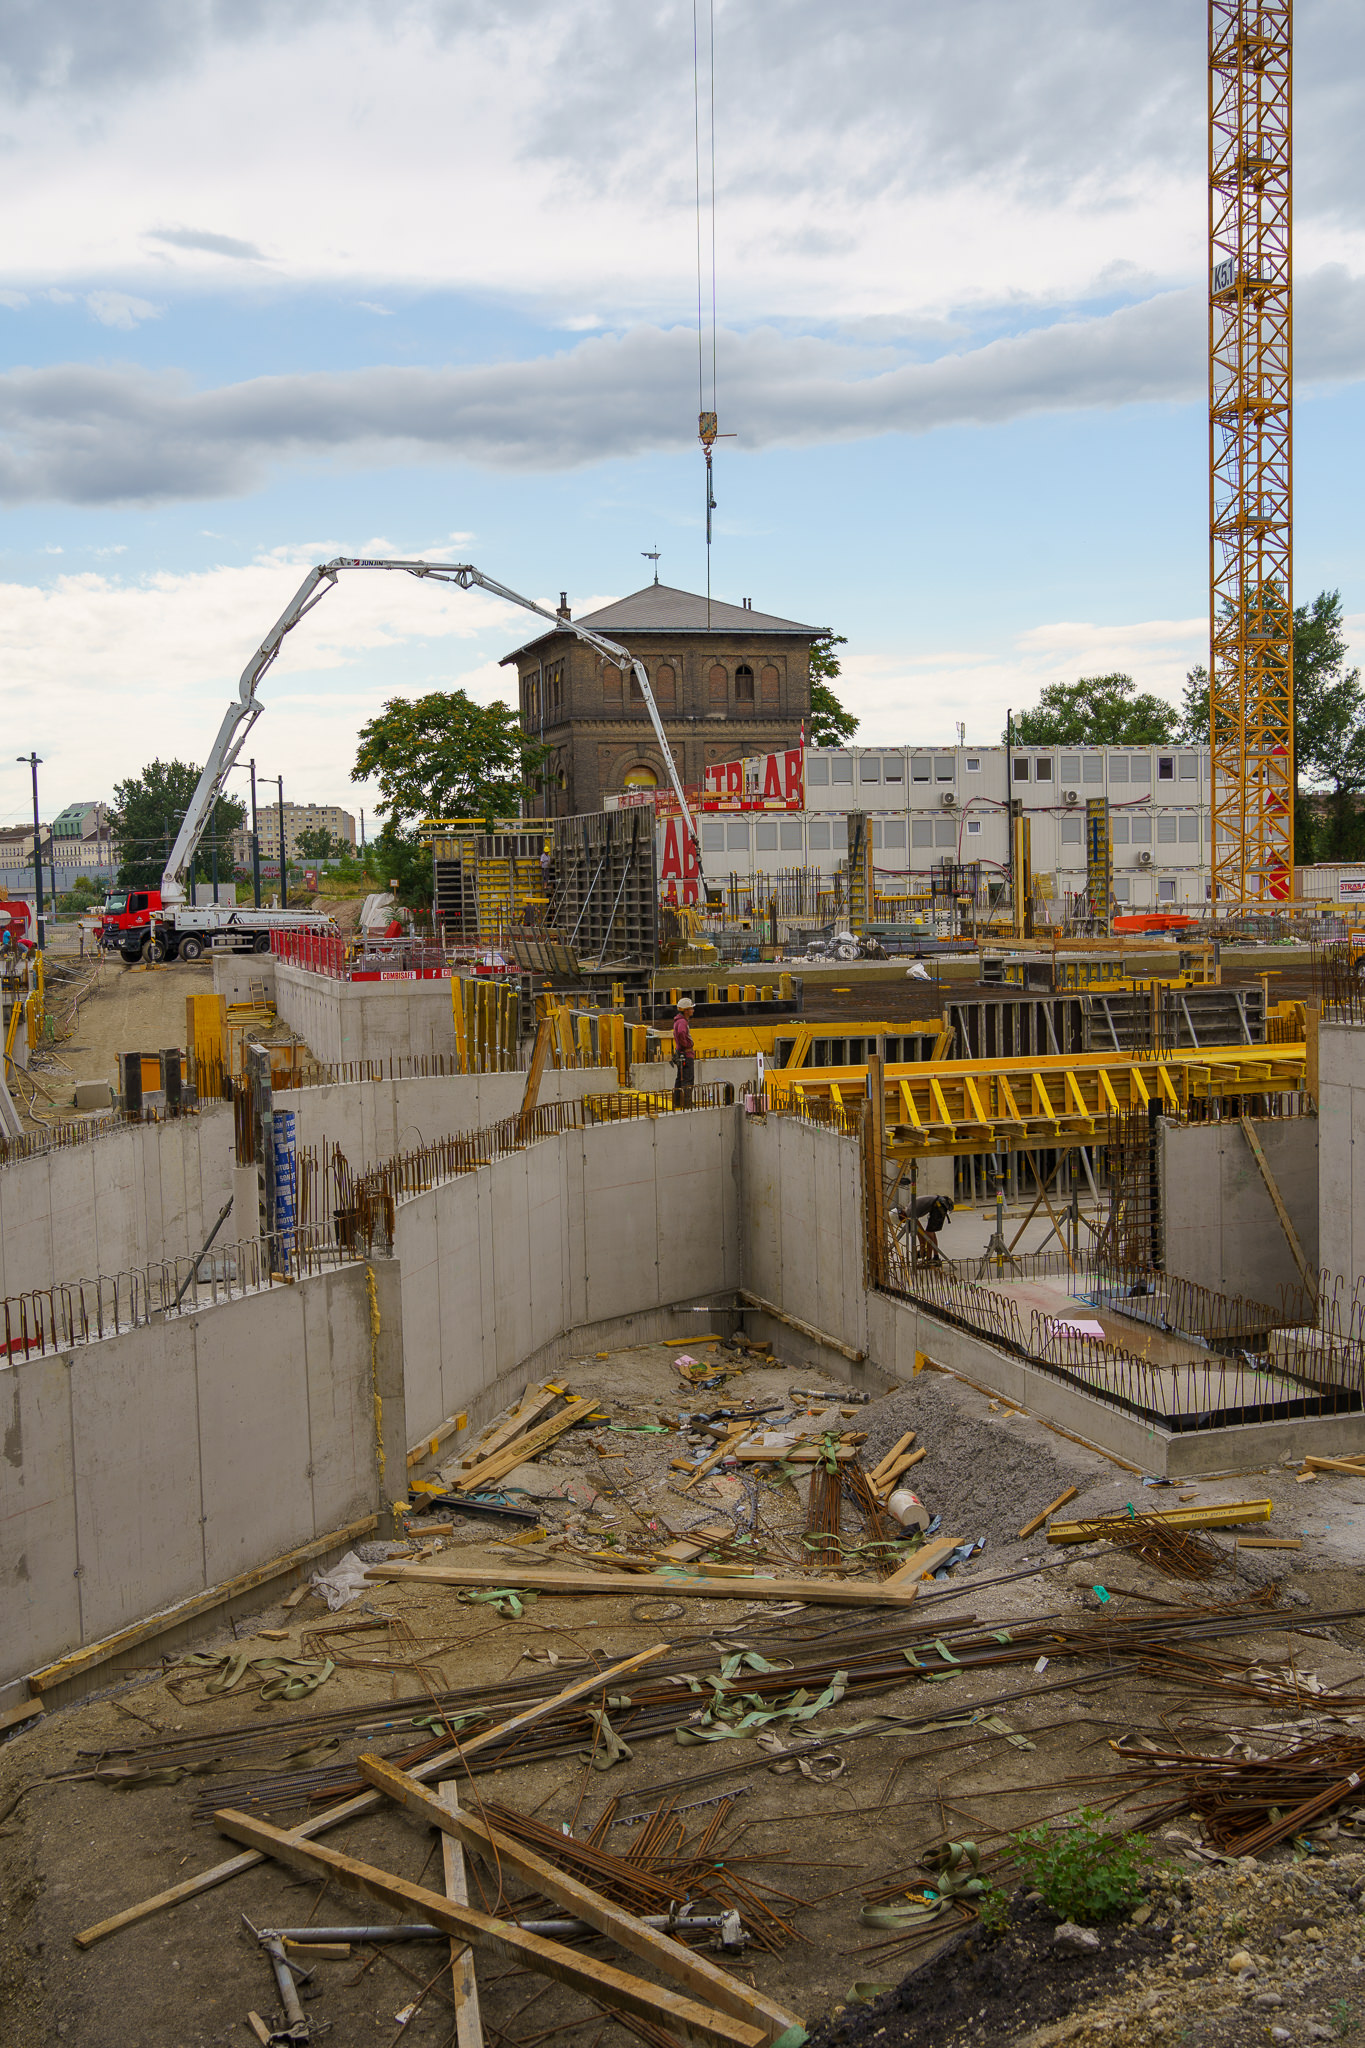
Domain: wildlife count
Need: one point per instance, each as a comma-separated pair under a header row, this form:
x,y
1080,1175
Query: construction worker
x,y
684,1054
931,1213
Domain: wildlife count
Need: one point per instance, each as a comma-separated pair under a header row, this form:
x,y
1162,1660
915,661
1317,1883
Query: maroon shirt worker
x,y
684,1053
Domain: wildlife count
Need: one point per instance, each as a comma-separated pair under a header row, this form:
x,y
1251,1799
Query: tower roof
x,y
659,608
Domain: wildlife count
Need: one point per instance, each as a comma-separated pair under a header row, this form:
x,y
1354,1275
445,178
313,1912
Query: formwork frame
x,y
1251,620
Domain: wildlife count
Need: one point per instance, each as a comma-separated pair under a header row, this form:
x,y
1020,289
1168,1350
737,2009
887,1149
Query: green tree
x,y
444,756
398,862
315,842
1096,711
146,815
1329,730
829,725
82,893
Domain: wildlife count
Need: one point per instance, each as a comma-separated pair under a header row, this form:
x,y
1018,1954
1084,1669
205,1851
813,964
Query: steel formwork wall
x,y
607,885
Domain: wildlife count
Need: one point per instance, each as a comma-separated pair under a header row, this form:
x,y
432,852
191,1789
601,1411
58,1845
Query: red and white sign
x,y
1350,888
764,782
679,871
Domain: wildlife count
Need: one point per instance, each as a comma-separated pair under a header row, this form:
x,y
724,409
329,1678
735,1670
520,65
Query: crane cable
x,y
707,422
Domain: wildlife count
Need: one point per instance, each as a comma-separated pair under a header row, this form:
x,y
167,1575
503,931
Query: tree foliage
x,y
147,812
1329,731
398,862
444,756
829,724
315,842
1096,711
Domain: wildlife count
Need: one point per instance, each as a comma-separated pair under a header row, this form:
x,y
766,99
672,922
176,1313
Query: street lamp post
x,y
34,762
255,843
278,780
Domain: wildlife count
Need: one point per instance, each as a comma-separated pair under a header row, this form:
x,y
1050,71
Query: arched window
x,y
772,687
640,777
744,684
665,686
719,684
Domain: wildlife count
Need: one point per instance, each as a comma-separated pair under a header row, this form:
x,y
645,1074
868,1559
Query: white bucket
x,y
908,1509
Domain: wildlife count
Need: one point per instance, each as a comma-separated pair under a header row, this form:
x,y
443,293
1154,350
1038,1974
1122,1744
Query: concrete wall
x,y
803,1224
1341,1157
372,1120
364,1020
152,1191
586,1229
149,1467
1220,1225
235,973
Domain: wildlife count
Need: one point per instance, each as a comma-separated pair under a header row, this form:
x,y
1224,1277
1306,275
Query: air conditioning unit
x,y
1144,860
948,800
1071,796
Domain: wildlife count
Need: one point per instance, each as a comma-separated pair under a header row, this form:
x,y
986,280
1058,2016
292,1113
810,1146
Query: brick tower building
x,y
729,681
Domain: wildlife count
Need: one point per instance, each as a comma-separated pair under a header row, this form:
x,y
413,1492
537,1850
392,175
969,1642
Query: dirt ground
x,y
75,1848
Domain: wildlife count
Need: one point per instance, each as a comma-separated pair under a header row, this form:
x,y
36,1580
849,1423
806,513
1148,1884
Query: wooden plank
x,y
505,1460
794,1454
1292,1236
902,1445
918,1566
185,1610
1037,1521
24,1711
1355,1465
531,1093
733,1432
1216,1515
518,1418
429,1445
609,1986
780,1315
463,1983
683,1965
366,1802
819,1592
1270,1543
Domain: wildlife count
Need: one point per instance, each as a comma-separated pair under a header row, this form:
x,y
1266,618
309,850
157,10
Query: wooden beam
x,y
779,1315
919,1565
819,1592
366,1802
518,1419
1272,1190
463,1983
1217,1515
609,1986
139,1632
1036,1522
531,1092
683,1965
524,1447
24,1711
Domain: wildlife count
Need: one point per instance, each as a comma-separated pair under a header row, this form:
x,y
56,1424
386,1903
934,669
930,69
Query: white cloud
x,y
922,699
81,654
369,306
121,309
96,435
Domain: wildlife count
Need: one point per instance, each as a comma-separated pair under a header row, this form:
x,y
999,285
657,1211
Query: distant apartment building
x,y
297,818
76,845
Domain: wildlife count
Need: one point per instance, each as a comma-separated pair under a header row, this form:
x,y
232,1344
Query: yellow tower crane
x,y
1251,614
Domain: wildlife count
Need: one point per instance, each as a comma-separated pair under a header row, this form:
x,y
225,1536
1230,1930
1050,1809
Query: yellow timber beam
x,y
971,1105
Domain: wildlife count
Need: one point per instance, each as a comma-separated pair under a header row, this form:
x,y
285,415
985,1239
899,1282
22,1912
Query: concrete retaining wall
x,y
586,1229
149,1467
372,1120
364,1020
1341,1154
152,1191
803,1224
1220,1225
235,975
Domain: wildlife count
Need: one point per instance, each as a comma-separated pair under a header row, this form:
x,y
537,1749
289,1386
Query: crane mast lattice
x,y
1251,618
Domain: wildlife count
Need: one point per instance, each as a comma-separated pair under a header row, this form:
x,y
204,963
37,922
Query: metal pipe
x,y
419,1930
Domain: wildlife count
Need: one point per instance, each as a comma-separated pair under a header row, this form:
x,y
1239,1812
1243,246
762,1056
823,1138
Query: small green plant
x,y
993,1905
1342,2018
1083,1873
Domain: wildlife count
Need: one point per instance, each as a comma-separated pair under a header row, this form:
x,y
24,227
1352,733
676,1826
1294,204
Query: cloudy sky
x,y
420,278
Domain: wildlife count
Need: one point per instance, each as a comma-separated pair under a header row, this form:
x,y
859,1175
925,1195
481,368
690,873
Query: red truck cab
x,y
128,915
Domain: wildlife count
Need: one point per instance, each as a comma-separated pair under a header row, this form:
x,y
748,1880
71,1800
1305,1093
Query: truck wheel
x,y
262,942
190,949
153,950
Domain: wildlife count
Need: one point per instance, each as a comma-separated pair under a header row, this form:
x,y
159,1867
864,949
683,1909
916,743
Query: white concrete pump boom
x,y
243,713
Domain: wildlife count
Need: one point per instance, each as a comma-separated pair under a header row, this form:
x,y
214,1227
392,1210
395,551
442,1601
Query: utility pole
x,y
255,843
284,862
34,762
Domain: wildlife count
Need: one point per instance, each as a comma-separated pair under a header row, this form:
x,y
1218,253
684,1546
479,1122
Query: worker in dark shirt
x,y
931,1213
684,1054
